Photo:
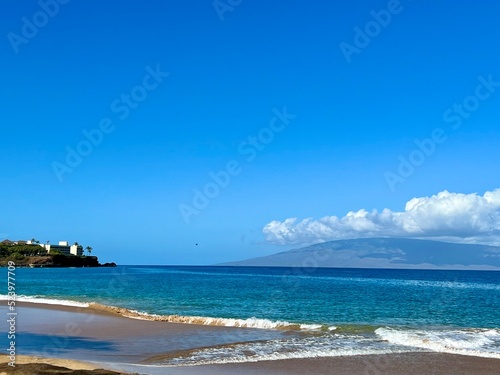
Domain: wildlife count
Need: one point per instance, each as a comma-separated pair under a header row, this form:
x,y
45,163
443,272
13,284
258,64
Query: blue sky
x,y
230,71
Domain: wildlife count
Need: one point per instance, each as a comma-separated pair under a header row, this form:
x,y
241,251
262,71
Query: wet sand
x,y
38,365
392,364
110,341
100,335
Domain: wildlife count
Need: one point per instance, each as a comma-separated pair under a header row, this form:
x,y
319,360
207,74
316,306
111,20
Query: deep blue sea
x,y
324,312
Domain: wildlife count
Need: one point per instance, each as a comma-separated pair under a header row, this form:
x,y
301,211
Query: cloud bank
x,y
447,216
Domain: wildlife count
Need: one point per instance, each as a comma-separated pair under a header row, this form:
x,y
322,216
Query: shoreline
x,y
383,364
112,342
250,323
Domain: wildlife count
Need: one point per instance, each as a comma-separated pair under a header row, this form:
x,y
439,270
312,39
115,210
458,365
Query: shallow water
x,y
313,312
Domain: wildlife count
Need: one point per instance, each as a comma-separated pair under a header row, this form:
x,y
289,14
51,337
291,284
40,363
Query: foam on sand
x,y
46,301
310,346
201,320
211,321
474,342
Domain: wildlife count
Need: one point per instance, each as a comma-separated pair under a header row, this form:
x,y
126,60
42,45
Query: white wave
x,y
247,323
262,324
134,314
229,322
281,356
314,327
474,342
45,301
328,345
213,321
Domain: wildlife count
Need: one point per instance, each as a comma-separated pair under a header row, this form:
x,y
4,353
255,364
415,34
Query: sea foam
x,y
474,342
252,322
46,301
326,345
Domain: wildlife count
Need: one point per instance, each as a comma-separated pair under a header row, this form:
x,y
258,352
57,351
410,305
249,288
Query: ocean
x,y
300,312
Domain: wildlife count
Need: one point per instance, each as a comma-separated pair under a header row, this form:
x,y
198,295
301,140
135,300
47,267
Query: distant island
x,y
400,253
33,254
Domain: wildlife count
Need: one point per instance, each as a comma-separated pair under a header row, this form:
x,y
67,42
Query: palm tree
x,y
89,249
76,244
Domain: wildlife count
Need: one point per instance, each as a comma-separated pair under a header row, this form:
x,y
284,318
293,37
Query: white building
x,y
65,248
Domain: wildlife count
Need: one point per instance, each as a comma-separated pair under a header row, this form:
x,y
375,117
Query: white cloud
x,y
448,216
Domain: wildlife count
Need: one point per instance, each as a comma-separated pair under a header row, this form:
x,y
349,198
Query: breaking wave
x,y
252,322
45,301
325,345
212,321
473,342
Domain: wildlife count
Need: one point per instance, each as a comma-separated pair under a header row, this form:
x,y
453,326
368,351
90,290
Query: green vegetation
x,y
23,250
36,256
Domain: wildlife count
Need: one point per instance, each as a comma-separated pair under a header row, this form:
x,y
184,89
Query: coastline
x,y
388,364
101,329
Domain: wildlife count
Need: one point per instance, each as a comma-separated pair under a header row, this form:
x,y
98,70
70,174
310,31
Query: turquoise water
x,y
327,311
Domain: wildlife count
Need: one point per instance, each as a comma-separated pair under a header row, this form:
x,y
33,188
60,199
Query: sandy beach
x,y
407,364
40,365
97,341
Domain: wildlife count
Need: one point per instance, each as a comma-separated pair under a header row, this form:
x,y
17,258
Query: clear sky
x,y
213,121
